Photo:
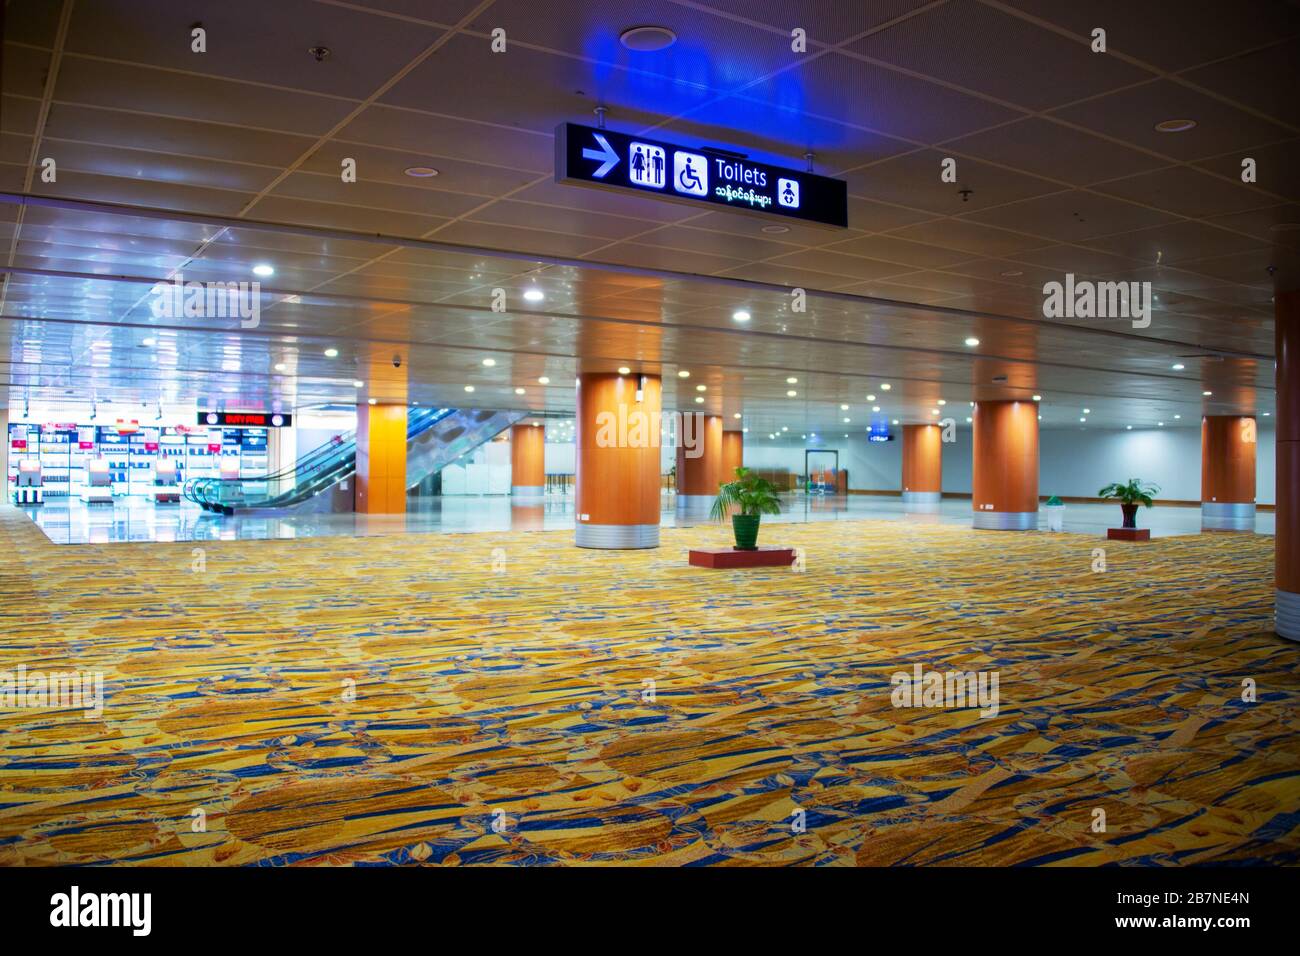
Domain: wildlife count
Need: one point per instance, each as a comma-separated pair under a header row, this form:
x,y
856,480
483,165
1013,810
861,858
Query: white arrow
x,y
606,156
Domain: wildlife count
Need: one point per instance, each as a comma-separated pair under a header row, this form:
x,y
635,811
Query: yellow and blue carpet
x,y
511,699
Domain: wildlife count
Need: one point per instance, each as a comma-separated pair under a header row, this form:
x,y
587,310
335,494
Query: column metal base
x,y
695,503
1286,613
528,491
616,536
1227,516
922,497
1005,520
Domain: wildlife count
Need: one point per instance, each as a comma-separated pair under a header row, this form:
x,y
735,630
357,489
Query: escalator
x,y
435,438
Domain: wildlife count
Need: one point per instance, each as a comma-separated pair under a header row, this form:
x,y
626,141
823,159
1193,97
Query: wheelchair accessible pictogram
x,y
690,173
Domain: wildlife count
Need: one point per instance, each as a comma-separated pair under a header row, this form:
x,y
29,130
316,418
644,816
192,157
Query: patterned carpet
x,y
501,714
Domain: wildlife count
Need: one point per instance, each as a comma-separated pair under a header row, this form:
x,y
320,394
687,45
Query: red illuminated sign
x,y
246,419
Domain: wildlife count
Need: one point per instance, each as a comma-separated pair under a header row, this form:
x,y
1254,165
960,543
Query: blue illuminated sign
x,y
600,157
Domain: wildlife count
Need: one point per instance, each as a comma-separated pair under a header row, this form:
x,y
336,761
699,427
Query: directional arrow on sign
x,y
606,156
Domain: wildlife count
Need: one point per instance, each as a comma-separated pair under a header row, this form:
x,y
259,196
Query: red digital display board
x,y
246,419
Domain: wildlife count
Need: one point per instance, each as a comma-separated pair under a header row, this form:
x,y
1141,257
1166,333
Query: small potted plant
x,y
1055,514
1132,493
751,497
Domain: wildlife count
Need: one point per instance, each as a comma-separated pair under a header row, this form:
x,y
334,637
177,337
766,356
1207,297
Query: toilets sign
x,y
586,156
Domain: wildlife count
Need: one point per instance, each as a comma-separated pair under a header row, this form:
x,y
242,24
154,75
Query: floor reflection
x,y
139,519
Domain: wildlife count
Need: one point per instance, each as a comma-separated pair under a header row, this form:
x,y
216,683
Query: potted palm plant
x,y
751,497
1131,493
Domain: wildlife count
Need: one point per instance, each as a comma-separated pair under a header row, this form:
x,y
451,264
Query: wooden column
x,y
1005,466
922,464
1228,473
618,442
527,461
699,460
733,454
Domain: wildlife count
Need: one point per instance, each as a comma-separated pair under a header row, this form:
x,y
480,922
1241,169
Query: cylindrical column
x,y
1228,473
617,498
1286,544
699,461
922,464
1004,460
527,461
733,454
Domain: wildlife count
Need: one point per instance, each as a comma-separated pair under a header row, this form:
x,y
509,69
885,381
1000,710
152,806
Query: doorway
x,y
821,469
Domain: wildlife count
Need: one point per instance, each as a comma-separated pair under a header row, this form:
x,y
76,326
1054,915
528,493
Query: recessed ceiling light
x,y
699,399
847,420
1038,398
885,386
934,411
1178,416
1129,427
875,408
1087,411
420,172
1266,414
775,230
972,341
149,342
792,380
737,415
1175,125
489,362
1161,424
683,374
871,398
1207,394
844,408
469,388
331,353
519,391
649,39
894,422
1083,419
1178,366
624,370
280,366
374,401
357,383
534,295
969,419
941,402
791,393
740,315
785,428
701,388
543,381
262,269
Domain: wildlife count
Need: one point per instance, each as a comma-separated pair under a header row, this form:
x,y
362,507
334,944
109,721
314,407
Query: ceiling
x,y
206,163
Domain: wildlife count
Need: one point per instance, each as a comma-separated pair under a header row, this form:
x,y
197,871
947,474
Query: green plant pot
x,y
745,528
